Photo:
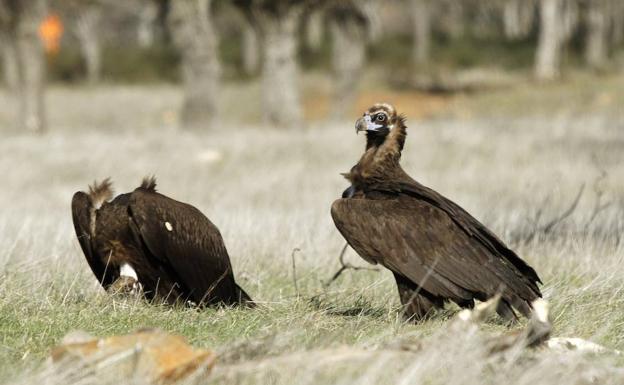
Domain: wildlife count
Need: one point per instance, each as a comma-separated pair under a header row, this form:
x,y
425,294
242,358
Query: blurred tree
x,y
21,20
9,59
597,34
452,18
87,26
250,48
552,31
421,13
314,29
193,33
276,22
518,18
147,23
617,21
351,24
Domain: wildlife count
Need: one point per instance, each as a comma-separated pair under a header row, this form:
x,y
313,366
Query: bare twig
x,y
346,265
598,205
294,268
550,225
547,228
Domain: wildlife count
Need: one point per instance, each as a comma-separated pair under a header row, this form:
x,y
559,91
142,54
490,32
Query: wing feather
x,y
181,237
422,242
82,210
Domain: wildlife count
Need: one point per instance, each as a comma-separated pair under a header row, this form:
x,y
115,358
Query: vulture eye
x,y
381,117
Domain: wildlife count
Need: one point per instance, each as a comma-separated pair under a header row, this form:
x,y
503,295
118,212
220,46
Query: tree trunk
x,y
31,65
9,61
617,22
455,19
194,34
548,56
148,16
596,40
280,72
314,30
251,49
89,36
348,58
421,12
518,18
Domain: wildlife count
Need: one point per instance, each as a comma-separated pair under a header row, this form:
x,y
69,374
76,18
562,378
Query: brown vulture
x,y
435,249
145,240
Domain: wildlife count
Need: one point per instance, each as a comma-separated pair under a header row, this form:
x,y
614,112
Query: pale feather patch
x,y
540,310
168,226
127,271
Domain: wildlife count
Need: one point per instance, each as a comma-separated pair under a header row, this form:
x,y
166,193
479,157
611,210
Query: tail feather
x,y
100,192
149,183
243,298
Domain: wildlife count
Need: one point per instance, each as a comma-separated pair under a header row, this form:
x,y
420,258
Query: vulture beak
x,y
366,124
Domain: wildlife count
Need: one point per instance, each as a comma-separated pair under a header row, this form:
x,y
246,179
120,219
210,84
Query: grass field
x,y
516,159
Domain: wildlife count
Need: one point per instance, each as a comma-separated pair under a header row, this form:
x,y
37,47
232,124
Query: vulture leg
x,y
417,303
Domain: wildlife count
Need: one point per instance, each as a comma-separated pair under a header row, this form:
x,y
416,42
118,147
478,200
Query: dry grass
x,y
270,191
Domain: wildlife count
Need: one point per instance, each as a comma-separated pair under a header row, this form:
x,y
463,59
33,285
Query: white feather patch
x,y
127,271
168,226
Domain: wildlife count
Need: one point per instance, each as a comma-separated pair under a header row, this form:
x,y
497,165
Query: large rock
x,y
150,356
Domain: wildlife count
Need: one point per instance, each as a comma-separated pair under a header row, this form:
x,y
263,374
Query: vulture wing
x,y
81,215
421,241
183,239
471,227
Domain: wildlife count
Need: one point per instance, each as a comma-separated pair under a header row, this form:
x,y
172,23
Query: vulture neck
x,y
388,144
374,139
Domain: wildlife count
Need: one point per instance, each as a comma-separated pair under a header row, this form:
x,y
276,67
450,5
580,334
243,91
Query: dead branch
x,y
550,225
599,191
345,266
547,228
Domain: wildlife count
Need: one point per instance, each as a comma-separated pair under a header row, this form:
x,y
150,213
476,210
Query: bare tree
x,y
147,20
518,18
9,60
21,18
194,34
349,24
276,22
314,29
421,13
553,29
597,36
86,23
251,49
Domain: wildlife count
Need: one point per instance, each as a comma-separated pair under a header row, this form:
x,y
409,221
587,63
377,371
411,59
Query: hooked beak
x,y
366,124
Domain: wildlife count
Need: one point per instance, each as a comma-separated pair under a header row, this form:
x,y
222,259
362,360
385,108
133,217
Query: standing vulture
x,y
146,240
435,249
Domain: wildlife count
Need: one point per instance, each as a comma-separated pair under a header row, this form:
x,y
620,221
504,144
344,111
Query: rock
x,y
149,355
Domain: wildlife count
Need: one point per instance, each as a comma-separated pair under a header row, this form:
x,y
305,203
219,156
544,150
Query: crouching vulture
x,y
145,242
435,249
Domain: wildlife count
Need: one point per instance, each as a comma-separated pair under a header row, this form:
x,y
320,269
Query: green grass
x,y
270,191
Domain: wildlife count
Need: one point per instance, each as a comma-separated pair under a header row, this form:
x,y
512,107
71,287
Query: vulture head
x,y
378,121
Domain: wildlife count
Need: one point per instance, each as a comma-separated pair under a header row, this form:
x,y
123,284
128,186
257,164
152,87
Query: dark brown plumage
x,y
168,247
435,249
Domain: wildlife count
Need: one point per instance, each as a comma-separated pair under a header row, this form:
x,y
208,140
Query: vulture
x,y
436,250
145,242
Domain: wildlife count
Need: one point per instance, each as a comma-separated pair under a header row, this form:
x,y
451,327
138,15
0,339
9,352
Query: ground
x,y
516,158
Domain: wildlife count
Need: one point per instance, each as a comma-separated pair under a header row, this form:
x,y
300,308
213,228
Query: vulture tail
x,y
243,298
100,192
